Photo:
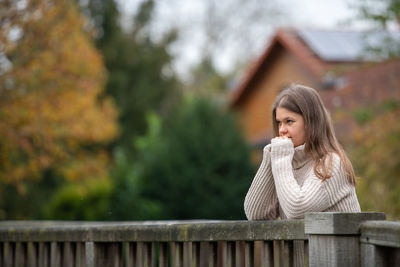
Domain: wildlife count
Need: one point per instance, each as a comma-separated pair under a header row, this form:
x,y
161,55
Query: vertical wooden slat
x,y
89,254
8,252
213,254
153,254
187,254
258,247
114,251
80,257
20,254
249,254
68,257
32,259
146,257
1,253
148,252
44,254
176,254
204,254
298,253
130,254
306,262
100,256
223,254
163,254
173,253
278,252
375,256
231,254
287,253
139,254
266,254
238,254
55,254
196,254
107,254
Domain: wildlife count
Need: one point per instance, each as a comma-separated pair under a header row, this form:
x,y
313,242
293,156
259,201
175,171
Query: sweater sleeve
x,y
261,202
314,195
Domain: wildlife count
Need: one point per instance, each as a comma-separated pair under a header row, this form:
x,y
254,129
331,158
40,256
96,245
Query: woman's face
x,y
291,125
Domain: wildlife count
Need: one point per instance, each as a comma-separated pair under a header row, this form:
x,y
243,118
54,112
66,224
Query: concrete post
x,y
334,238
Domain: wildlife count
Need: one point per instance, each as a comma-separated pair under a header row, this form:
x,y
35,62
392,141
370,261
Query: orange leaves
x,y
86,166
52,115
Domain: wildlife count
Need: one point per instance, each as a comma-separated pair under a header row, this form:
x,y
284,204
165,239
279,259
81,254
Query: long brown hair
x,y
320,139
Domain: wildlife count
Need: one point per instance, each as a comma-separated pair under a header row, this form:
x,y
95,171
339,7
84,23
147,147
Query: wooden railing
x,y
321,239
380,243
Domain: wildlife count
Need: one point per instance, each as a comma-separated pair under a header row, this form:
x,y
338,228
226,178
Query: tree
x,y
222,31
386,16
377,163
52,119
195,164
127,202
381,12
141,78
207,81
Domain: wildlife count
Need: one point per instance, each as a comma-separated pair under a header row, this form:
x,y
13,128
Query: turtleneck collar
x,y
300,157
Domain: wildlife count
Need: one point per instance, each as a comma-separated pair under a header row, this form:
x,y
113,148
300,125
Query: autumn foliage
x,y
376,159
52,113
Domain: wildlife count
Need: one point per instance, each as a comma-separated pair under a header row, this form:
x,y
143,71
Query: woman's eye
x,y
289,121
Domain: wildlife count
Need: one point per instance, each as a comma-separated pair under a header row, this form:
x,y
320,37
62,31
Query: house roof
x,y
315,49
366,86
288,39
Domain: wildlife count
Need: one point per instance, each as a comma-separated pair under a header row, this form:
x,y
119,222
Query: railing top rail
x,y
381,233
338,223
151,231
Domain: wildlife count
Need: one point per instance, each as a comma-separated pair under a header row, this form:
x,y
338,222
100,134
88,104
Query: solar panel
x,y
344,45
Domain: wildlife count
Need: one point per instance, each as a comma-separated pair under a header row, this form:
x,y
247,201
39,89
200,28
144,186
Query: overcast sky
x,y
325,14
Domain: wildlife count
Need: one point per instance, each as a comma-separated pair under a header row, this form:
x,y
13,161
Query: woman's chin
x,y
296,145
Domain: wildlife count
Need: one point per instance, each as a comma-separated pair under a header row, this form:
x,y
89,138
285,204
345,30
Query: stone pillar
x,y
334,238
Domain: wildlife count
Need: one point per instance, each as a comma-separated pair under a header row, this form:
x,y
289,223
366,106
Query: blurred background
x,y
155,109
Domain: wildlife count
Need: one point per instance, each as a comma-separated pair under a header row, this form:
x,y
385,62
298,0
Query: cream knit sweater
x,y
286,186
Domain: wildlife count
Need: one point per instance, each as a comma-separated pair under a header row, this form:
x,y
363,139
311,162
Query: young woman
x,y
304,169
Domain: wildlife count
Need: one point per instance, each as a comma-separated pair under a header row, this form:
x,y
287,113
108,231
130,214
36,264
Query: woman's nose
x,y
282,130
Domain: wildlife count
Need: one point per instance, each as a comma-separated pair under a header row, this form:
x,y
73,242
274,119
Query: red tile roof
x,y
367,85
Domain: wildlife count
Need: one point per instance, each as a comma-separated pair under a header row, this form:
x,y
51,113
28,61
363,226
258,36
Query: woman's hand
x,y
282,146
281,138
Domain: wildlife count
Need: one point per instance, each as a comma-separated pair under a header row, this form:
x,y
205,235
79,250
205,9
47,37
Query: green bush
x,y
196,165
74,201
376,161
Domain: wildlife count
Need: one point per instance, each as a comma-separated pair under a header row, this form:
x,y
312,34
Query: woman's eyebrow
x,y
286,118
